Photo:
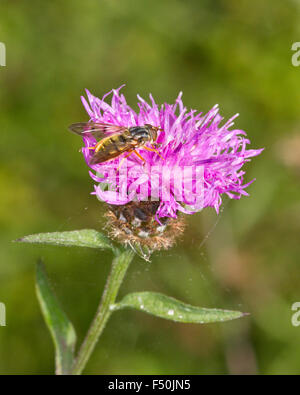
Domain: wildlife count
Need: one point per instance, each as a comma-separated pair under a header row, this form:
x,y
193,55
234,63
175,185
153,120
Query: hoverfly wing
x,y
96,129
103,156
79,127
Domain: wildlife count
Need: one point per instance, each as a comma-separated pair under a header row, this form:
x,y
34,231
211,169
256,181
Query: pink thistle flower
x,y
200,158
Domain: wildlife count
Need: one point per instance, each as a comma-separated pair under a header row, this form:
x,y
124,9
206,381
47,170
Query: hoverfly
x,y
114,140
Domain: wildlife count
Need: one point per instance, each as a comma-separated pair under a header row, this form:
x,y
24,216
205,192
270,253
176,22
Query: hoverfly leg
x,y
80,150
131,152
99,145
122,160
155,145
154,150
140,156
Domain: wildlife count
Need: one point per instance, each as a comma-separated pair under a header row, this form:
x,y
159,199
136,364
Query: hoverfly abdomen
x,y
117,143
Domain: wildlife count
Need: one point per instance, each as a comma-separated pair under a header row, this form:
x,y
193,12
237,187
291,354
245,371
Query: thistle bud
x,y
135,224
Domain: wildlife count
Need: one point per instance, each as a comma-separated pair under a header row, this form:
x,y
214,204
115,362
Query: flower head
x,y
198,158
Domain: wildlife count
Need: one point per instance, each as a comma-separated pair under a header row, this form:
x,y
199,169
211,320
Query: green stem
x,y
118,270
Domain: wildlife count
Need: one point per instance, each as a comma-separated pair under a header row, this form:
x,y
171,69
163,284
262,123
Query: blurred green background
x,y
235,53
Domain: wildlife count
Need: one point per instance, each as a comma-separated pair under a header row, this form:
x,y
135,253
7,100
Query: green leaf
x,y
61,329
171,309
80,238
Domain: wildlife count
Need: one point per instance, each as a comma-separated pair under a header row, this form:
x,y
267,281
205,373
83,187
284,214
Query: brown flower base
x,y
134,224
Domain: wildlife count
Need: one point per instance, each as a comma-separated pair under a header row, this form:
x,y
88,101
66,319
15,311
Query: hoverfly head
x,y
152,131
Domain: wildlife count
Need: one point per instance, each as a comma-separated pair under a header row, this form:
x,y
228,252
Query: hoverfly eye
x,y
154,134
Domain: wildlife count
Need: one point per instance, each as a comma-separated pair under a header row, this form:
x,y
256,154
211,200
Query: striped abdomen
x,y
113,146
